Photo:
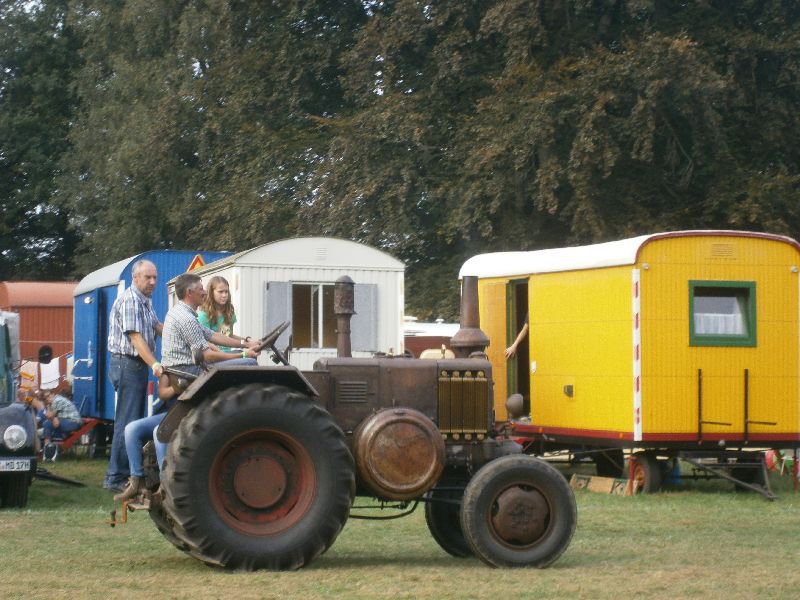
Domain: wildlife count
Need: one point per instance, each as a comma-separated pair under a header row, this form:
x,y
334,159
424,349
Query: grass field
x,y
700,541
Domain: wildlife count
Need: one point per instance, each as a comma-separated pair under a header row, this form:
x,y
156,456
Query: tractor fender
x,y
221,377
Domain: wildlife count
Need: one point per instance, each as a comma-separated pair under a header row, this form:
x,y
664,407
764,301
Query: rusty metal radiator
x,y
464,406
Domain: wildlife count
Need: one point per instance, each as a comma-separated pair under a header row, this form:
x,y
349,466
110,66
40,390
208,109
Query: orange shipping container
x,y
45,314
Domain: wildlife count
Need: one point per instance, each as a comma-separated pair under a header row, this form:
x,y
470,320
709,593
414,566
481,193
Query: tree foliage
x,y
431,130
38,53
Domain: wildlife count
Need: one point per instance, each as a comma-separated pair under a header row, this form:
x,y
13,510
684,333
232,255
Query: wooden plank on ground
x,y
602,485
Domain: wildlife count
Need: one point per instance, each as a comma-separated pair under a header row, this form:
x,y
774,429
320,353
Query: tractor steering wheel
x,y
268,341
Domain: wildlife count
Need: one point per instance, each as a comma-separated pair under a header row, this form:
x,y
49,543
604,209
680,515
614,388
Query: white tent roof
x,y
574,258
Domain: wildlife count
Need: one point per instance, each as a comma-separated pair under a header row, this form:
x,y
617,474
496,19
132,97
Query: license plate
x,y
15,464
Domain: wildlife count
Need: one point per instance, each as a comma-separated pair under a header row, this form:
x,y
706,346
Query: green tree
x,y
434,131
38,57
201,120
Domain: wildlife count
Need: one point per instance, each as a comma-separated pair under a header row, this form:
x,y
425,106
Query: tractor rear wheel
x,y
258,477
518,511
164,524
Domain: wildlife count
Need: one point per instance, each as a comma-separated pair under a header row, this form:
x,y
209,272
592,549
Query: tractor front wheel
x,y
442,515
518,511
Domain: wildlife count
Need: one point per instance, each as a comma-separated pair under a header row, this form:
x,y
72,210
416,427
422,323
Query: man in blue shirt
x,y
133,327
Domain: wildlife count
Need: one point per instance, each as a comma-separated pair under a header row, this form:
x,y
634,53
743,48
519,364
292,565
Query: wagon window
x,y
314,322
722,313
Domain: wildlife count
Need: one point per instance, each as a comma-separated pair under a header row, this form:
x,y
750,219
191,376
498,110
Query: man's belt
x,y
128,356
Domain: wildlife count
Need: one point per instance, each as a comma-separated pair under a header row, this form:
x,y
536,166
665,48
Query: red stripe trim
x,y
728,437
523,430
520,429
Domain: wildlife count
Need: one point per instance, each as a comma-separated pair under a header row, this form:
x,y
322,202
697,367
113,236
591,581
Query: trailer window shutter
x,y
278,306
364,324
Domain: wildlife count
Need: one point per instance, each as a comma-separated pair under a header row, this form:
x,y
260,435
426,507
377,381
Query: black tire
x,y
610,463
14,490
443,516
647,473
752,471
164,525
518,511
258,477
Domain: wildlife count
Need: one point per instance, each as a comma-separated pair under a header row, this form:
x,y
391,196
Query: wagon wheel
x,y
442,514
646,472
258,477
518,511
610,463
752,471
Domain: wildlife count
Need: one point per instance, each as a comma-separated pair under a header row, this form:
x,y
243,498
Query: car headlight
x,y
15,437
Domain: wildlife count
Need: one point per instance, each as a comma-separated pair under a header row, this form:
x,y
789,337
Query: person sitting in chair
x,y
60,419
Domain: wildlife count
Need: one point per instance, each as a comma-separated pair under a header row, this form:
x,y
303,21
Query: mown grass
x,y
699,541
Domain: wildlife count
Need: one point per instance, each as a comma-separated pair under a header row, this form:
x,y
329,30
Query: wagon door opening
x,y
518,373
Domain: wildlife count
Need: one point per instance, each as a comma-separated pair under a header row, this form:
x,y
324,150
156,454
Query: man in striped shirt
x,y
132,331
183,334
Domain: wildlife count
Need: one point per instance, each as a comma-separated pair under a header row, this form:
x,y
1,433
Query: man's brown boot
x,y
129,492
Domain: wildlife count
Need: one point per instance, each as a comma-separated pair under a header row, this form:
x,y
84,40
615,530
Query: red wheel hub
x,y
520,516
262,482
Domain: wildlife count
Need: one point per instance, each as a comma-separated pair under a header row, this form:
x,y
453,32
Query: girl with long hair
x,y
217,312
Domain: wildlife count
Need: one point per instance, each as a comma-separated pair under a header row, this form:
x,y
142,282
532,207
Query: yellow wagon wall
x,y
580,335
670,364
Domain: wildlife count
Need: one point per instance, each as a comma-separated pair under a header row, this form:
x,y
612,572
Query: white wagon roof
x,y
105,276
574,258
310,252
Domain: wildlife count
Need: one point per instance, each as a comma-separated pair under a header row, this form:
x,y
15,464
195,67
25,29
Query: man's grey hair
x,y
183,282
137,266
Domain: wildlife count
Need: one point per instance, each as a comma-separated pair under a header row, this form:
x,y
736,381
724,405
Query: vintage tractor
x,y
264,462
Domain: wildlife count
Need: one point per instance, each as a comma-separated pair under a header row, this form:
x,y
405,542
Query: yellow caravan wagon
x,y
681,340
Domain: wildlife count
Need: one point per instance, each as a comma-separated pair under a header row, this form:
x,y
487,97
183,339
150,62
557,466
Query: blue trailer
x,y
93,296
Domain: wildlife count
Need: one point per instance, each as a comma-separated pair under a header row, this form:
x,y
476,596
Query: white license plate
x,y
15,464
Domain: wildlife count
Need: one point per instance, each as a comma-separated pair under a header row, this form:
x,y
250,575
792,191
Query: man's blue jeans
x,y
137,433
240,362
129,377
65,427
